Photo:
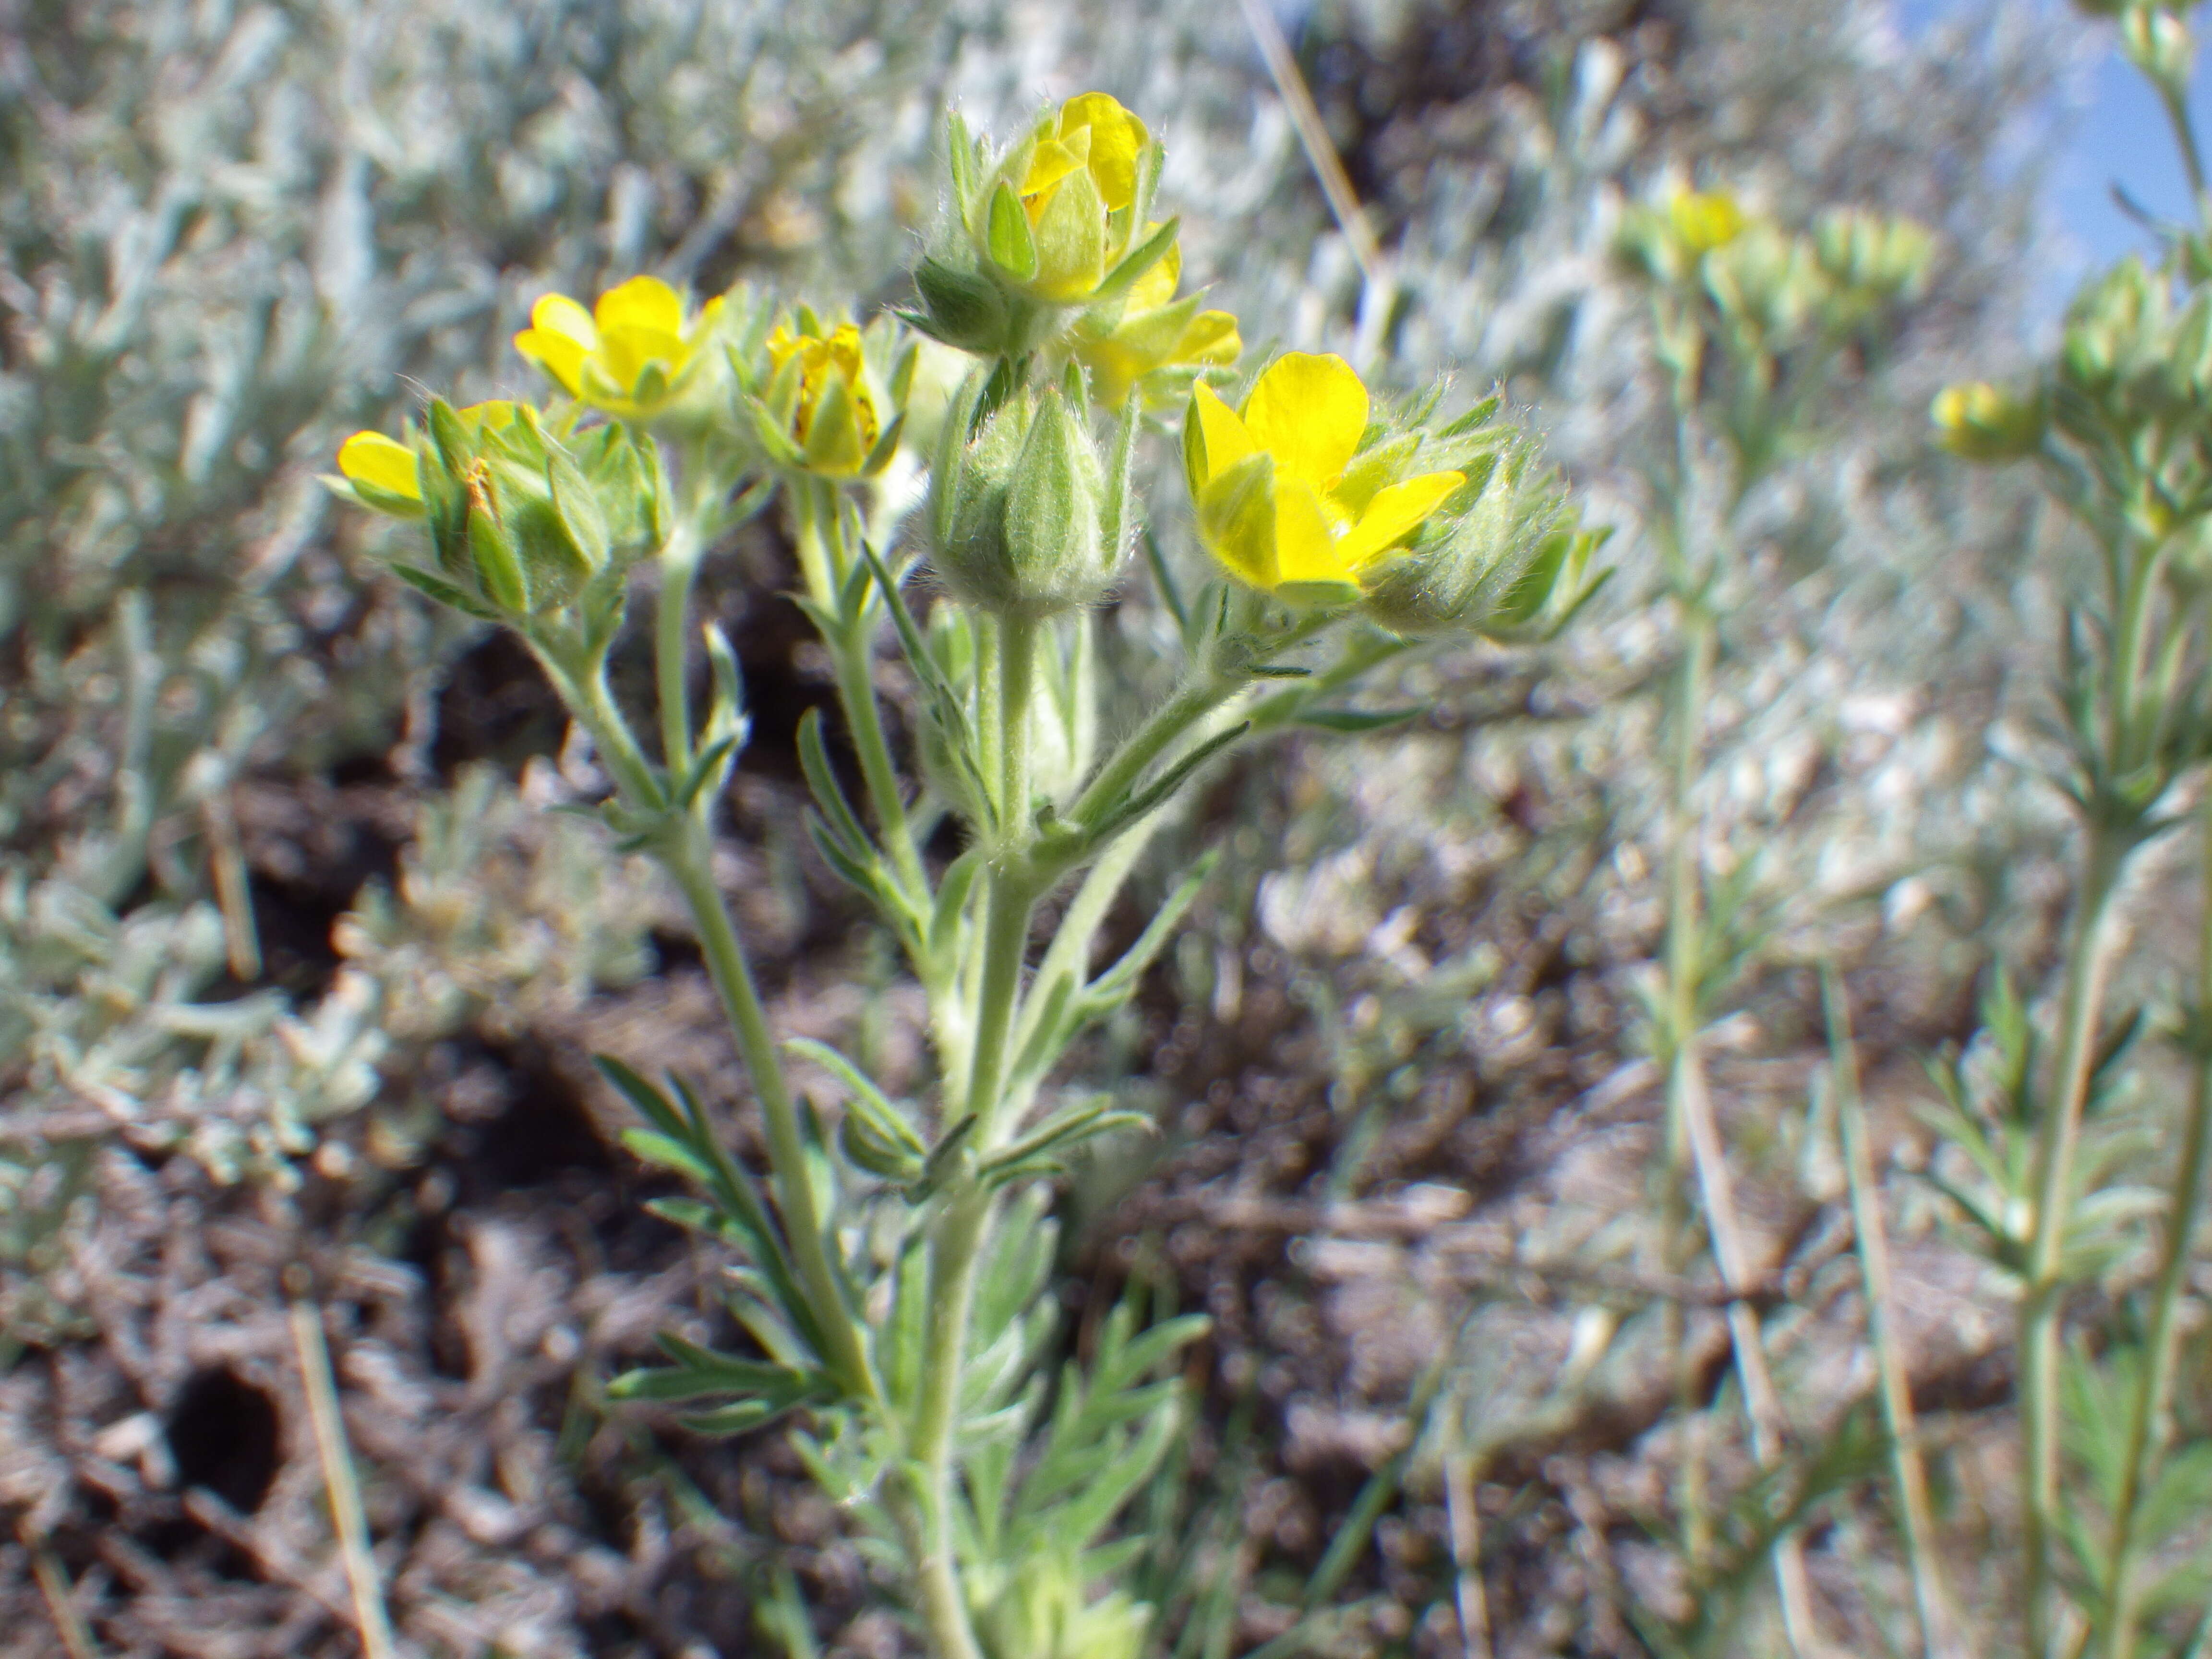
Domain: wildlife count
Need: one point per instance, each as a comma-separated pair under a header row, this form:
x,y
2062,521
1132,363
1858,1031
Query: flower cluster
x,y
1052,271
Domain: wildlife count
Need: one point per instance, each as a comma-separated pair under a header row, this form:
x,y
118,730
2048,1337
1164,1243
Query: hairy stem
x,y
672,640
2154,1392
959,1237
1151,741
1690,1124
1938,1636
2088,963
852,650
688,861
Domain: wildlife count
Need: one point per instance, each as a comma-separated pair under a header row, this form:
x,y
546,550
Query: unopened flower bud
x,y
825,399
1479,562
1019,509
1872,256
518,523
2157,41
1983,422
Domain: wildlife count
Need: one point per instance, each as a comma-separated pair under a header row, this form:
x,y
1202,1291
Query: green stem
x,y
1153,740
671,643
958,1243
2089,965
1907,1471
685,849
2192,159
851,649
687,859
2155,1383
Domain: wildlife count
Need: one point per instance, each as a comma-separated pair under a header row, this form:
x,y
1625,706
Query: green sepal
x,y
1007,238
1139,260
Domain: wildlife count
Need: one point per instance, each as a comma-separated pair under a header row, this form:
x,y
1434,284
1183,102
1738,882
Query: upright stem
x,y
1690,1125
684,848
2153,1392
852,648
671,656
959,1239
1762,1405
687,859
1937,1639
2192,160
2087,966
1681,969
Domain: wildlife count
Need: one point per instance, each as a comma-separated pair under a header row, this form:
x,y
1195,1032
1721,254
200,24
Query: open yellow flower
x,y
1155,331
628,354
1285,498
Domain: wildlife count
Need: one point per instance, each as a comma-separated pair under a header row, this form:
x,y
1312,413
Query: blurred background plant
x,y
1408,1119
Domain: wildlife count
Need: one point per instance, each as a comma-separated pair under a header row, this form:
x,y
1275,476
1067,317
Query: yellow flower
x,y
1983,422
1076,183
818,391
1284,499
1154,330
628,354
1704,220
383,471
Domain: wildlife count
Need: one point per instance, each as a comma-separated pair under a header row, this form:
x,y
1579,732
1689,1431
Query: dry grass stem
x,y
347,1516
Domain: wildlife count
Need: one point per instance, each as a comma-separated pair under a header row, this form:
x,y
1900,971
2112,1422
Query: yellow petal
x,y
1308,412
1052,162
1156,287
557,313
1305,550
643,302
1211,339
493,411
370,458
1117,139
1705,220
1236,518
1223,439
559,355
1394,511
626,351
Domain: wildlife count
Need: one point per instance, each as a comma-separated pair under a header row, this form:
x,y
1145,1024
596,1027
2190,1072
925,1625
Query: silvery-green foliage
x,y
231,234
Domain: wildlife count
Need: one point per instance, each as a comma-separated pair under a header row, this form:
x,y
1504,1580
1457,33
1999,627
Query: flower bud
x,y
1872,257
1154,339
518,523
1058,221
1982,422
1765,282
1491,555
1019,510
818,401
1664,243
2157,42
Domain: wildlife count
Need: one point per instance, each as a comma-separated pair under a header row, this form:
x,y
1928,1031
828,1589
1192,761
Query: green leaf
x,y
445,592
843,823
1356,720
1140,803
